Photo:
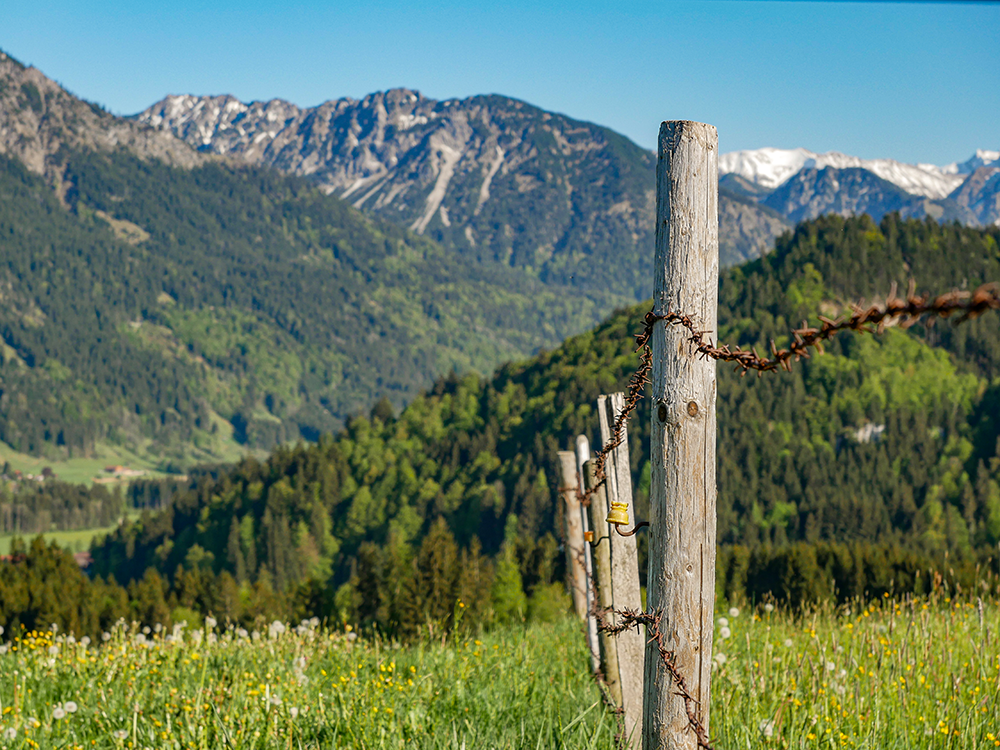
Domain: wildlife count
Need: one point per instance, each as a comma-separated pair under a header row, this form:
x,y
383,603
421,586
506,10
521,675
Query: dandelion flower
x,y
53,650
725,633
769,608
294,712
766,727
210,622
9,733
723,622
105,636
830,666
58,713
70,707
734,612
788,643
85,640
120,734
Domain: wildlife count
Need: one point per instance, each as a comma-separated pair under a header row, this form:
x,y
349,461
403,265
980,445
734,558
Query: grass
x,y
921,674
71,541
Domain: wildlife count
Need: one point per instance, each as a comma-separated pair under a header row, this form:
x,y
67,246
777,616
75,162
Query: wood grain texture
x,y
601,554
624,568
681,581
576,571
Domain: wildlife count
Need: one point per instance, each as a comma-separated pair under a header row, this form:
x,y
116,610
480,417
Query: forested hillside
x,y
174,309
890,440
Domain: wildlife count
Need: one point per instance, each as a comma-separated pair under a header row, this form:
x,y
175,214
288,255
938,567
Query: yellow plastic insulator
x,y
619,514
588,536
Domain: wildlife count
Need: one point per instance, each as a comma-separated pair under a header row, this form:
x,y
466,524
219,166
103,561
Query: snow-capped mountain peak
x,y
770,167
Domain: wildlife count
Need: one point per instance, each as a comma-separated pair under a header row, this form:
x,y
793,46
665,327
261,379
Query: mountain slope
x,y
980,195
489,176
38,118
810,193
169,297
797,456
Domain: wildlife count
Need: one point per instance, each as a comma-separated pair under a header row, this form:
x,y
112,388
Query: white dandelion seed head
x,y
842,673
1,629
720,658
4,647
830,666
211,622
120,734
275,700
85,640
788,643
157,627
255,635
54,628
53,650
70,707
723,622
725,633
734,612
769,608
294,712
352,636
70,640
766,727
146,630
58,713
105,636
9,733
241,633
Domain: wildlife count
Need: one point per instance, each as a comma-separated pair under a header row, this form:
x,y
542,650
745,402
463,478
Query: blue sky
x,y
911,81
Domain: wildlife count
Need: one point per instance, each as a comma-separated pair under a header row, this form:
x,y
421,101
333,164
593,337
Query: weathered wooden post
x,y
601,555
681,584
582,456
577,574
624,556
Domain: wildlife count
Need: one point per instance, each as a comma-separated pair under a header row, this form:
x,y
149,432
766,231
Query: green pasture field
x,y
71,541
919,674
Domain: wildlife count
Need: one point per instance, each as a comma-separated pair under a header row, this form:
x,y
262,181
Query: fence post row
x,y
577,574
624,554
681,582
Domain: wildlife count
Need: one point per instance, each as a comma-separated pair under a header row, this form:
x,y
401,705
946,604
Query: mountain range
x,y
210,273
801,184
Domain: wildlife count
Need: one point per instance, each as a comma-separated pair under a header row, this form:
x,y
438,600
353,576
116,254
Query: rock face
x,y
813,192
492,176
38,117
980,195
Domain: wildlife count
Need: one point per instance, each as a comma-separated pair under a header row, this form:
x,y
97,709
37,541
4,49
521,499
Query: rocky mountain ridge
x,y
488,175
38,118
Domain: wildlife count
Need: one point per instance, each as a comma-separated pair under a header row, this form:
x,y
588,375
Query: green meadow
x,y
924,673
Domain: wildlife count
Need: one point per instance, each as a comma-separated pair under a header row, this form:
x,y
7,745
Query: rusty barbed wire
x,y
875,318
629,619
872,319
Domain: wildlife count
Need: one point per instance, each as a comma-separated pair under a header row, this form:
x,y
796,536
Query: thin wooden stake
x,y
681,583
601,554
576,571
582,456
624,567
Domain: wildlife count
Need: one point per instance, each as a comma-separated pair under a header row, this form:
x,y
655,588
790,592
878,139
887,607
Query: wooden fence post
x,y
577,573
624,566
582,456
681,584
601,554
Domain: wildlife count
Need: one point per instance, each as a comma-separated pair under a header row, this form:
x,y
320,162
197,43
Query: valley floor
x,y
925,673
